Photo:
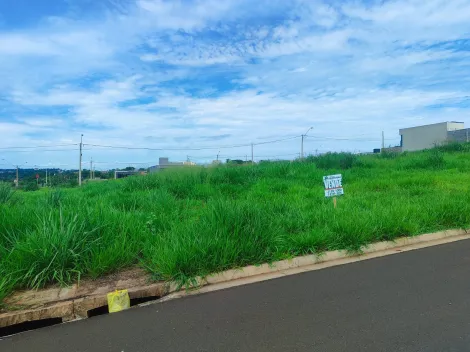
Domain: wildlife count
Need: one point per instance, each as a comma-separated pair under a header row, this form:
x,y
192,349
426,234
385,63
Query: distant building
x,y
165,163
123,173
395,149
428,136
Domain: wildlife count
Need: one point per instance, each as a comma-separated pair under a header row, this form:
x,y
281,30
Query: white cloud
x,y
179,14
413,20
16,44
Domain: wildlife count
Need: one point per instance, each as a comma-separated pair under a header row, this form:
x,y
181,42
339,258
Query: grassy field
x,y
196,221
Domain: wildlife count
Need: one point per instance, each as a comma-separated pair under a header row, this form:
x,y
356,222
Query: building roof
x,y
431,124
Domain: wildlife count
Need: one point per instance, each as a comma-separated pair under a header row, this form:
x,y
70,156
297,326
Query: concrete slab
x,y
74,302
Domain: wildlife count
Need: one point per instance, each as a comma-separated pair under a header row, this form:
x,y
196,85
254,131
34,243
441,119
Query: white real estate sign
x,y
333,185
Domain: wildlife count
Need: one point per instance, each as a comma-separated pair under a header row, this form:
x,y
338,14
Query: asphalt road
x,y
413,301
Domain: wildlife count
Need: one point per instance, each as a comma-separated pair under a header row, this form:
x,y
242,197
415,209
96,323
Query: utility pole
x,y
91,169
17,174
80,162
302,143
218,155
46,177
252,155
383,140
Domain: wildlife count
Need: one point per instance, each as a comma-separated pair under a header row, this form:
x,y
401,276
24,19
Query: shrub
x,y
30,187
454,147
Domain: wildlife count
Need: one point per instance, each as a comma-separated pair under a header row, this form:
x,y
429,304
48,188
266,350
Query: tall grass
x,y
53,251
6,192
342,161
196,221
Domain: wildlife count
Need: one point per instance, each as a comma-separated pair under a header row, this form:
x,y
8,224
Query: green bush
x,y
453,147
30,186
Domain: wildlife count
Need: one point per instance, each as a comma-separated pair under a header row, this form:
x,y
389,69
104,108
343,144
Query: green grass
x,y
6,193
196,221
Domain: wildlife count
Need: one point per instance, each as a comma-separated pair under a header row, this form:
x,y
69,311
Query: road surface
x,y
413,301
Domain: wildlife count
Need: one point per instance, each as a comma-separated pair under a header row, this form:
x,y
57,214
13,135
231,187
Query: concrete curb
x,y
74,308
296,265
71,304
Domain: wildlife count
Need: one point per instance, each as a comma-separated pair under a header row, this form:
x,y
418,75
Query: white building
x,y
428,136
165,163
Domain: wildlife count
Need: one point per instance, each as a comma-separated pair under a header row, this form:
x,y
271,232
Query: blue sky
x,y
189,73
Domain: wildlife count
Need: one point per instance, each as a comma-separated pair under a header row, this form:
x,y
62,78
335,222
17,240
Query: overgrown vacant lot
x,y
179,224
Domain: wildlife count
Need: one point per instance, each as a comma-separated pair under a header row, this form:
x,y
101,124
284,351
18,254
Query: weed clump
x,y
55,197
55,250
6,192
342,161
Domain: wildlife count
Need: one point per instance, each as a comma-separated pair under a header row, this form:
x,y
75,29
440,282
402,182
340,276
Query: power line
x,y
187,149
241,156
361,139
39,146
120,162
277,141
42,150
350,139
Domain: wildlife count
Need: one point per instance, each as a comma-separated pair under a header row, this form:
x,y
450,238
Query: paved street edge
x,y
297,265
77,308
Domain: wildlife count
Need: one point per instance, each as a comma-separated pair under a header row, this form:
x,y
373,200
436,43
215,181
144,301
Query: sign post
x,y
333,187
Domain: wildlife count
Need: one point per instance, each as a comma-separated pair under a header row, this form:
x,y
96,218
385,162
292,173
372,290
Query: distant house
x,y
428,136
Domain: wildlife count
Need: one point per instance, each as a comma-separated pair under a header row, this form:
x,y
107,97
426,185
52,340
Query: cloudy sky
x,y
195,74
